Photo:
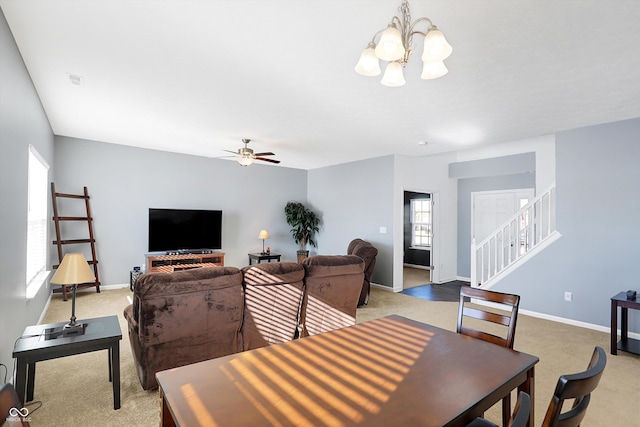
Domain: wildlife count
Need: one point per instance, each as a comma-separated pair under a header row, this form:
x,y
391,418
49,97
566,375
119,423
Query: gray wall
x,y
22,122
597,214
124,182
355,200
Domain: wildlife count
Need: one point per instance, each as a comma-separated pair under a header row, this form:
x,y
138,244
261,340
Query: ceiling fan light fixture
x,y
245,160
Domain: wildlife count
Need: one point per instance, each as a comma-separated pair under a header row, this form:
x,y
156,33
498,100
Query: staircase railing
x,y
525,231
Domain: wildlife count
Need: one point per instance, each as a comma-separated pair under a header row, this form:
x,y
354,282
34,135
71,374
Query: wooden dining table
x,y
390,371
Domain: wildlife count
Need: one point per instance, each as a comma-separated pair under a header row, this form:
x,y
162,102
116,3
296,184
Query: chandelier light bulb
x,y
369,64
433,70
436,47
393,75
390,46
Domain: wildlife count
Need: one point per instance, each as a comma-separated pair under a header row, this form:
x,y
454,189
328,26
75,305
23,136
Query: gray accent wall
x,y
124,182
597,214
22,122
355,200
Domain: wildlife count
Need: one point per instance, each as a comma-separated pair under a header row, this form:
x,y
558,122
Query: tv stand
x,y
183,261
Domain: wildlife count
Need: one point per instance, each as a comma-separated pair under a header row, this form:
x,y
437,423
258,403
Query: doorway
x,y
418,238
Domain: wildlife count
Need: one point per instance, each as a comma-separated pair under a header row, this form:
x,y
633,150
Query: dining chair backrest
x,y
520,417
10,406
578,387
506,316
521,411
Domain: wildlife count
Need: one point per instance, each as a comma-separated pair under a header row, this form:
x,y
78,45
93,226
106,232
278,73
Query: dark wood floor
x,y
449,291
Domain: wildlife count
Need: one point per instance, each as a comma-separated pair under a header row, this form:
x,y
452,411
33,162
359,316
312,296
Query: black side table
x,y
101,333
263,257
627,344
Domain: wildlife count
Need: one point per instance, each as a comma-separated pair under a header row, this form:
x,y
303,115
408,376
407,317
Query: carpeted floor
x,y
75,390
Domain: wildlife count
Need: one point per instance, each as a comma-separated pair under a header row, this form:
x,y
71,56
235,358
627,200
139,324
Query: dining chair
x,y
10,406
578,387
520,414
497,326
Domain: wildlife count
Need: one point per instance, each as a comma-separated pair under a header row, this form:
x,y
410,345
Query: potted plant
x,y
304,223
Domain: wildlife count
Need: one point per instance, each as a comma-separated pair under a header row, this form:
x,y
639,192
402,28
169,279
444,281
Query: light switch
x,y
383,230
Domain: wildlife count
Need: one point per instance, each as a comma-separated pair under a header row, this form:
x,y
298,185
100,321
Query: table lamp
x,y
263,235
73,270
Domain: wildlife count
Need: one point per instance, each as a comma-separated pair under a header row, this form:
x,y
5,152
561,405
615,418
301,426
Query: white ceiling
x,y
198,76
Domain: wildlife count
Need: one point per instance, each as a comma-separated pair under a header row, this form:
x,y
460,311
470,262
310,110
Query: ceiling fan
x,y
246,156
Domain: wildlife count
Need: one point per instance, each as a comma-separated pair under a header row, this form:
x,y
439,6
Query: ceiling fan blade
x,y
268,153
267,160
232,152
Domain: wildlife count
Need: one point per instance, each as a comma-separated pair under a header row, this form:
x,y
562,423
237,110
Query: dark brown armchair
x,y
332,286
368,253
184,317
273,296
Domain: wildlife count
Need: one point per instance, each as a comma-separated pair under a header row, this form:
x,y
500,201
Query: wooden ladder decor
x,y
59,242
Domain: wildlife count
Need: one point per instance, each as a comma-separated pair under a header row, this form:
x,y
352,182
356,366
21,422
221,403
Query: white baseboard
x,y
106,287
578,323
383,287
559,319
419,267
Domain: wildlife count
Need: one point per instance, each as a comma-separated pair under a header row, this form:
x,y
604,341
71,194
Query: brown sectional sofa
x,y
189,316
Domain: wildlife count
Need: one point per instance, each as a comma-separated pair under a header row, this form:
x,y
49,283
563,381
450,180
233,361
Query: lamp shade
x,y
393,76
433,70
390,46
73,270
436,47
369,64
263,234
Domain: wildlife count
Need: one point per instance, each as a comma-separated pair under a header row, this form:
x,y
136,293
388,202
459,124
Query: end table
x,y
258,257
627,344
101,333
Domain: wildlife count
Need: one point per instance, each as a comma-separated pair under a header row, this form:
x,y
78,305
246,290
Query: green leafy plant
x,y
304,223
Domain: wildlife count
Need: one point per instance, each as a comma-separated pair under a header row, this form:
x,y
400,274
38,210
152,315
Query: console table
x,y
36,345
627,344
258,257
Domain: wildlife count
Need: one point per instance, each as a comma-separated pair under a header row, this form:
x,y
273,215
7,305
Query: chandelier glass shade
x,y
394,44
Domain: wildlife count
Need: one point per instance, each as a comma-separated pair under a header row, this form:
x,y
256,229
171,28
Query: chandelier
x,y
394,45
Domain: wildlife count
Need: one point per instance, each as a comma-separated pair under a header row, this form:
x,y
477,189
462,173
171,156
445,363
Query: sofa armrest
x,y
128,315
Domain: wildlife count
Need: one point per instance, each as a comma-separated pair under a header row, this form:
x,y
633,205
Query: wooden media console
x,y
169,263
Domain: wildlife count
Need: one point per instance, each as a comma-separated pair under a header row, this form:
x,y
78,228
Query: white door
x,y
493,208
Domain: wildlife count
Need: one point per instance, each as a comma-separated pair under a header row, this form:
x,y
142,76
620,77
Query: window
x,y
36,223
421,223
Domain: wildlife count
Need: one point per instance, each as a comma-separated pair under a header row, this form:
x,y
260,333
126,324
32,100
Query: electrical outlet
x,y
568,296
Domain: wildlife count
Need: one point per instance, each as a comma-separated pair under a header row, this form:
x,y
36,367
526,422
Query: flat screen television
x,y
184,229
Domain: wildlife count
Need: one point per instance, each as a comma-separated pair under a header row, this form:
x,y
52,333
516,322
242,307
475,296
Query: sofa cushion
x,y
273,296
